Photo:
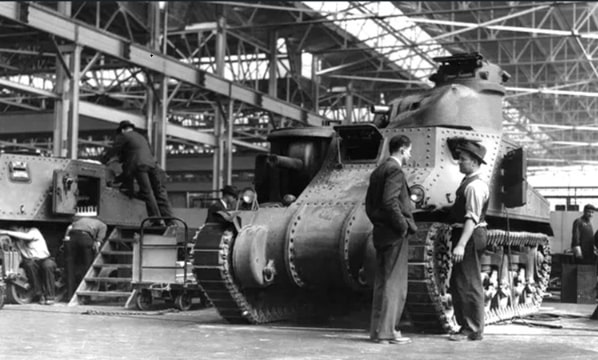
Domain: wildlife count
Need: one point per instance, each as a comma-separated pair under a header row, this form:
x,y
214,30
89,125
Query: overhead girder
x,y
554,57
113,115
45,20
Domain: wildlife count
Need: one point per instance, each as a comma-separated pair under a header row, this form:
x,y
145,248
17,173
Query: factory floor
x,y
563,331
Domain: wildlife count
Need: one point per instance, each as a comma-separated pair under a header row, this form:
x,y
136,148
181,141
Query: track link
x,y
428,301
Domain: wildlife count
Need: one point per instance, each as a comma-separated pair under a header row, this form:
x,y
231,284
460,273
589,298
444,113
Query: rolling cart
x,y
161,267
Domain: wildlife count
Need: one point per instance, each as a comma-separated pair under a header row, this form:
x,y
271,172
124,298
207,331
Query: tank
x,y
46,192
308,248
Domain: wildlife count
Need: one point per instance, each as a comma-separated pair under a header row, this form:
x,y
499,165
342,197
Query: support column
x,y
160,119
157,89
61,111
66,112
218,169
61,105
348,105
315,81
228,145
73,132
150,88
273,73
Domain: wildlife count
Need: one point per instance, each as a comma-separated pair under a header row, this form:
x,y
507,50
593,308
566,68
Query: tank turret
x,y
284,261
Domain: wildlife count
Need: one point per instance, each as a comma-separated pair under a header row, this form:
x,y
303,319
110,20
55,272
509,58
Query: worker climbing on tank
x,y
138,163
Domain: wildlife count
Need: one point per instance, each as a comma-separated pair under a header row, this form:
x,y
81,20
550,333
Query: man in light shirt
x,y
36,262
469,238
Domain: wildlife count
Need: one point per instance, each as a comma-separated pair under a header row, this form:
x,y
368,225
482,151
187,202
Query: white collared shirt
x,y
398,161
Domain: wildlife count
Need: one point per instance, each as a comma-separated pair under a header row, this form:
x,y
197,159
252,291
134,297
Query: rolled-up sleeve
x,y
102,228
476,194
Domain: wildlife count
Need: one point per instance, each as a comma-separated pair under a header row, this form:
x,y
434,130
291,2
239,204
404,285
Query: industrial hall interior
x,y
298,179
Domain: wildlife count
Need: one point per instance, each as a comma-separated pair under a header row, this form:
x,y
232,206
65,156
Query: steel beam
x,y
28,89
40,122
115,116
17,104
48,21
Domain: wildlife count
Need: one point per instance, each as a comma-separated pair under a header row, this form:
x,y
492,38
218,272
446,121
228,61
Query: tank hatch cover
x,y
359,142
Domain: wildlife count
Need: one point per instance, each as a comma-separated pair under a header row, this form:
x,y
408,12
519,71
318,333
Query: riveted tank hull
x,y
46,193
288,258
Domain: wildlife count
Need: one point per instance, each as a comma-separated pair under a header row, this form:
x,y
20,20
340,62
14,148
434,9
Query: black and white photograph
x,y
298,180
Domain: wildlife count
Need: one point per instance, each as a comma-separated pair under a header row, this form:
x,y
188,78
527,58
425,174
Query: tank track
x,y
215,275
428,303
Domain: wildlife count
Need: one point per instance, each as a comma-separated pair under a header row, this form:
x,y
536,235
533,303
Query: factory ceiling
x,y
329,56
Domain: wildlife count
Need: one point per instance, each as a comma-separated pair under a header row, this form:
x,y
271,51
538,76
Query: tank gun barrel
x,y
285,162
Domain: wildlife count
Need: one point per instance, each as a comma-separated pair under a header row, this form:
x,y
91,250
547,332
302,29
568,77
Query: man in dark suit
x,y
388,207
138,163
225,203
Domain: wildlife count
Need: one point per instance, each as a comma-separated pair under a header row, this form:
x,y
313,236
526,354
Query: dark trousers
x,y
40,273
466,286
390,289
79,255
151,190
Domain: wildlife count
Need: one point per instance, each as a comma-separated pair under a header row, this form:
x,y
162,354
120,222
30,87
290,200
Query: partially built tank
x,y
307,247
46,192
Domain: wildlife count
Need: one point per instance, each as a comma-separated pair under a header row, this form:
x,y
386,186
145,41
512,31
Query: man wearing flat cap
x,y
582,241
469,241
225,203
138,163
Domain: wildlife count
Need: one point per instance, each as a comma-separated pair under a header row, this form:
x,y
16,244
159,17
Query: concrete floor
x,y
62,332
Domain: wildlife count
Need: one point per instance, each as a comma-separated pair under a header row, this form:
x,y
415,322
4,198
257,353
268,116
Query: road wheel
x,y
143,300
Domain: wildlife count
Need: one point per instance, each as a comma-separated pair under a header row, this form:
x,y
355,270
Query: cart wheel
x,y
20,292
2,293
143,300
183,302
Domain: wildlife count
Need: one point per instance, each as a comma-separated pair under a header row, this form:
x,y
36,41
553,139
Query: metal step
x,y
117,252
114,266
123,240
112,294
112,280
